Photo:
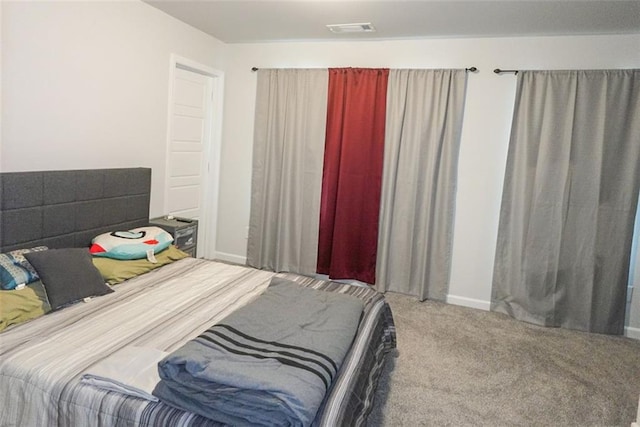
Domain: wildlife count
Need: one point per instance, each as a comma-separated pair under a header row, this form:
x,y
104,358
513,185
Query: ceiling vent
x,y
366,27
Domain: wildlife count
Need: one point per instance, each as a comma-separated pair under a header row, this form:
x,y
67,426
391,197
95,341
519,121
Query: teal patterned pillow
x,y
19,259
16,270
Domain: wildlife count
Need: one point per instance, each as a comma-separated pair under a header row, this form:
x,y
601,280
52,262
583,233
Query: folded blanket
x,y
130,370
270,362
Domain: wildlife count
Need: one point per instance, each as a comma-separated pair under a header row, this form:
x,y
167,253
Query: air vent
x,y
366,27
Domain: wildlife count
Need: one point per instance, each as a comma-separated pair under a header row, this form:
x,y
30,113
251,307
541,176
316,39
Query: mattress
x,y
41,362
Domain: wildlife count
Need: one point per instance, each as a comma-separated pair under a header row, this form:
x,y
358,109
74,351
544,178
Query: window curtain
x,y
570,198
289,132
353,157
423,127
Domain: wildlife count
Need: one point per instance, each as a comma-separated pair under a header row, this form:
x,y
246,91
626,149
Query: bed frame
x,y
65,209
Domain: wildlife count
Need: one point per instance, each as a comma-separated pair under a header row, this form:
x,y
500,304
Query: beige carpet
x,y
459,366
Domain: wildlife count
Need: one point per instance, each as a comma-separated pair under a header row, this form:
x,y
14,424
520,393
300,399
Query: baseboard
x,y
634,333
236,259
469,302
629,332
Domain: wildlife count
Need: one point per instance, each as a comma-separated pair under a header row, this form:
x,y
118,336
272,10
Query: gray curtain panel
x,y
422,140
570,197
288,152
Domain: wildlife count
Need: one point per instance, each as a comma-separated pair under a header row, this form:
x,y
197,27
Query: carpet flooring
x,y
459,366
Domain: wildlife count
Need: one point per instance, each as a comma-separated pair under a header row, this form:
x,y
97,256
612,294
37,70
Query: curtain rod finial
x,y
500,71
472,69
254,69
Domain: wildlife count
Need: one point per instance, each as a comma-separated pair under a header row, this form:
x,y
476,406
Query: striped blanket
x,y
42,362
270,362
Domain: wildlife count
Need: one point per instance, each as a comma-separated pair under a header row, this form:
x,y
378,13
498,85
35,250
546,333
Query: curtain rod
x,y
499,71
471,69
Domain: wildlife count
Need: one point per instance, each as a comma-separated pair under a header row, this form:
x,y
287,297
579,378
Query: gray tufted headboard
x,y
62,209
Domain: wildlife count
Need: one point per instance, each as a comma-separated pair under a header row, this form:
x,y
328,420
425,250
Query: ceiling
x,y
240,21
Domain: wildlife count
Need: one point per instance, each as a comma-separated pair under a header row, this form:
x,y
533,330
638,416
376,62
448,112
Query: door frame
x,y
212,140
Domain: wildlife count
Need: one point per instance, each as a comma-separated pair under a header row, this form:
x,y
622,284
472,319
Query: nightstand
x,y
183,230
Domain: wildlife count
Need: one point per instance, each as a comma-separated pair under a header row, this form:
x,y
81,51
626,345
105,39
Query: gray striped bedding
x,y
41,362
269,363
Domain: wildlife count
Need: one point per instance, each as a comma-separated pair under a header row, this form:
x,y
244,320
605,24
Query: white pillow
x,y
142,242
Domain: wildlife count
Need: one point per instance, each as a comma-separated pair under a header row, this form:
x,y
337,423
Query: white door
x,y
189,143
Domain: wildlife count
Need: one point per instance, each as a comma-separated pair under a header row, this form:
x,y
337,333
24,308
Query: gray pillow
x,y
68,275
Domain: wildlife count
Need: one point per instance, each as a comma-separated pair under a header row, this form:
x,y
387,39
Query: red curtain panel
x,y
352,175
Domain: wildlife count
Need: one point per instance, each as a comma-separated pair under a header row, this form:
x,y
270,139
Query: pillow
x,y
11,275
115,271
18,258
19,305
68,275
132,244
16,270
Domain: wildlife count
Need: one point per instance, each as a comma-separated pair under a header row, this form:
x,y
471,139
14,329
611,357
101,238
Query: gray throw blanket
x,y
270,362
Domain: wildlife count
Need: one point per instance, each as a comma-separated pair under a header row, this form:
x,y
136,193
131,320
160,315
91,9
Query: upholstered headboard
x,y
63,209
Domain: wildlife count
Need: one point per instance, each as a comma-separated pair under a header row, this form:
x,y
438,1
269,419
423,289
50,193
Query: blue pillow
x,y
15,269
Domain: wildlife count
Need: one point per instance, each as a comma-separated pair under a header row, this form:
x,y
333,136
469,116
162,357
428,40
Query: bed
x,y
42,361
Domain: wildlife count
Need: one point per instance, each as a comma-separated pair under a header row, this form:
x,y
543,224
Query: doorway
x,y
193,148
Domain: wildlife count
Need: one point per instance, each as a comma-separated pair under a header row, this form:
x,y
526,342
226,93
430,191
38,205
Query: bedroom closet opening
x,y
193,147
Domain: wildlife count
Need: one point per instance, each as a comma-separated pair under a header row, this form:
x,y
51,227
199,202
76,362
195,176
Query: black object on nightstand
x,y
183,230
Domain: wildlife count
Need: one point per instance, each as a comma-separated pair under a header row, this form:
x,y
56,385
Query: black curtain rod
x,y
499,71
472,69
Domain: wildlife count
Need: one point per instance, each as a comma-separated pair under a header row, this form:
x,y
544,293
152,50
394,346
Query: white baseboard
x,y
629,331
632,333
469,302
236,259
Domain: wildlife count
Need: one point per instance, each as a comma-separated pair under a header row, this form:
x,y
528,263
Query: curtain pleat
x,y
352,175
423,127
569,201
288,151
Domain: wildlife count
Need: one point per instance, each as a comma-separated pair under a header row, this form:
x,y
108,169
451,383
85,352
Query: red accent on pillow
x,y
95,248
150,242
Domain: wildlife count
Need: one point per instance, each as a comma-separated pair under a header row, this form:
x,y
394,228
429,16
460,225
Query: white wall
x,y
1,50
1,68
86,85
484,138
